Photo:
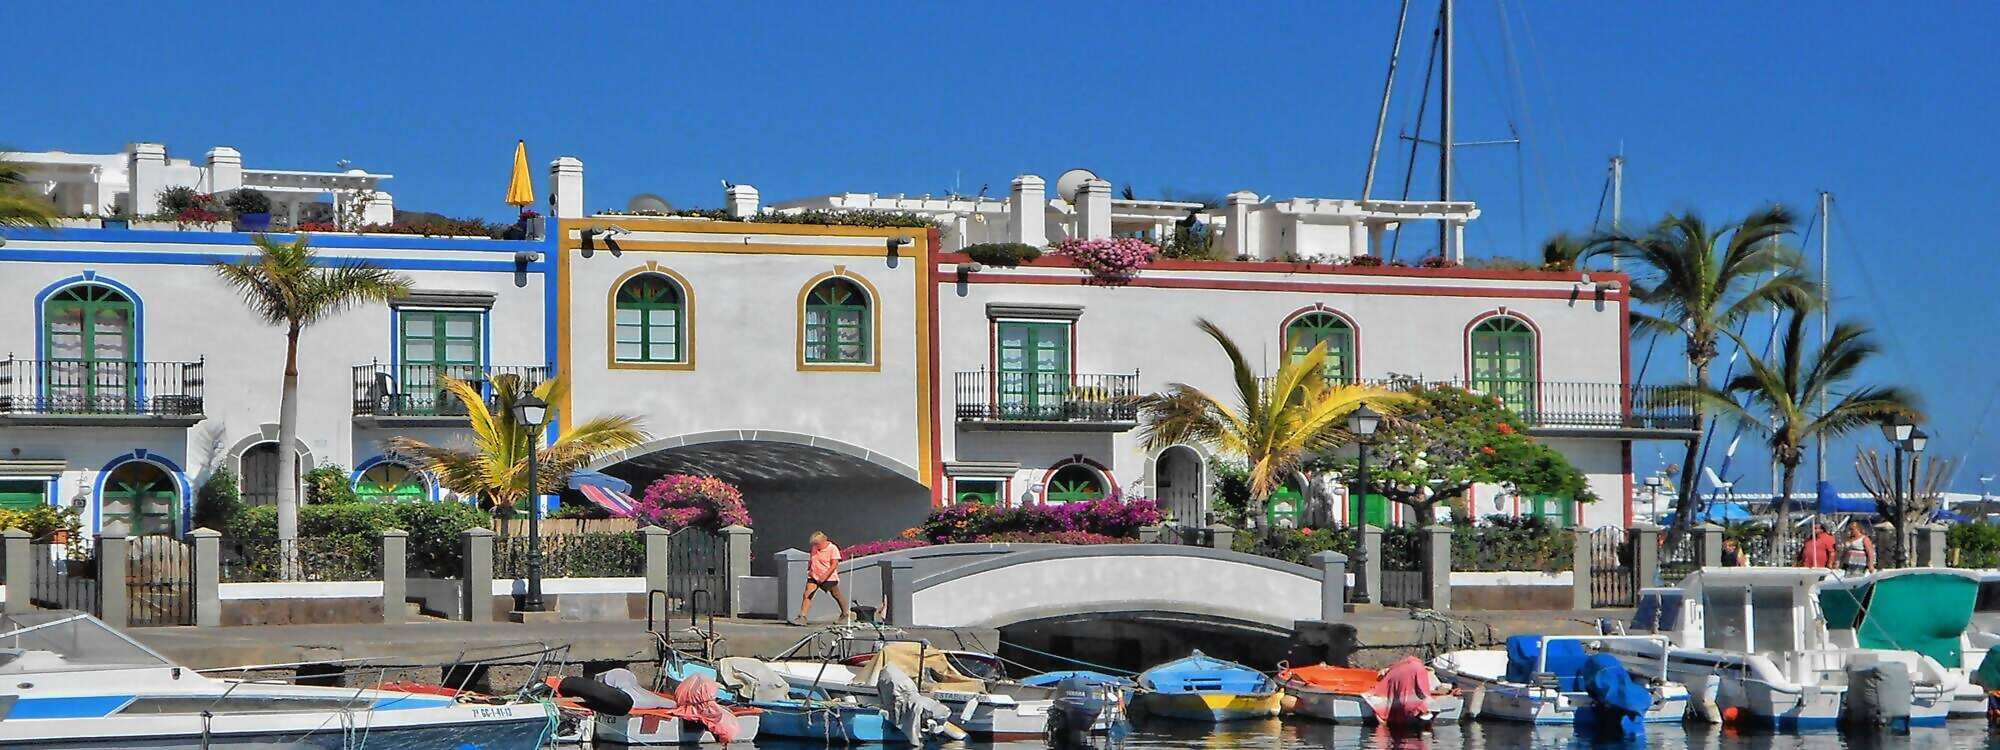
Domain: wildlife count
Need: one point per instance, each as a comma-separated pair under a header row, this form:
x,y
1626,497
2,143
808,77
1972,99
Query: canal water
x,y
1273,734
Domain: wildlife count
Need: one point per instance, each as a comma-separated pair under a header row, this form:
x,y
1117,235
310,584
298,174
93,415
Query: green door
x,y
22,494
1309,330
139,499
1034,370
88,337
1374,513
1558,510
436,345
977,491
1281,509
1503,363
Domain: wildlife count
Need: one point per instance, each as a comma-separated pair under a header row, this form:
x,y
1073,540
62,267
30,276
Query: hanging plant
x,y
1111,261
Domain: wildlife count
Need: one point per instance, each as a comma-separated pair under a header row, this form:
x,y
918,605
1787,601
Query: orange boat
x,y
1348,695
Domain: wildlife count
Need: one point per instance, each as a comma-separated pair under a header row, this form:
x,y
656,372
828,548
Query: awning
x,y
605,490
1830,503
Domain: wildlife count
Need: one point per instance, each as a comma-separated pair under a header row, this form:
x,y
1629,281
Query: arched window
x,y
1075,483
391,482
88,333
650,322
139,498
1307,331
1503,362
837,322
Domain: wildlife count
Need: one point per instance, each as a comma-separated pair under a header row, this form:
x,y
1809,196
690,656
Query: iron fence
x,y
100,387
1613,577
159,583
65,577
985,396
1679,558
418,390
1568,404
698,571
336,557
610,554
1403,571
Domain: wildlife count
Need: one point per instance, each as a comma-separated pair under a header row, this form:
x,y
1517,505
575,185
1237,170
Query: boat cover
x,y
1049,679
1565,660
1988,674
694,700
1606,681
936,668
1200,673
1404,693
1919,611
1351,680
752,679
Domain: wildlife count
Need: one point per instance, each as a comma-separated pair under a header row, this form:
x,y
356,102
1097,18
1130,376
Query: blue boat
x,y
1201,688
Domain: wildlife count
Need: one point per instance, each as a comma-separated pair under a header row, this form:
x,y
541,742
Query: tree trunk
x,y
1683,509
288,459
1781,528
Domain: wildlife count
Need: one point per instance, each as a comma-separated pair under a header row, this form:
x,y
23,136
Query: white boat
x,y
1545,691
983,708
649,728
1752,645
1931,611
73,682
1342,695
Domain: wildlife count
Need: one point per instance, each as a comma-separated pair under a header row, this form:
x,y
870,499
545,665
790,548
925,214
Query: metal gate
x,y
698,571
65,578
159,585
1613,580
1402,583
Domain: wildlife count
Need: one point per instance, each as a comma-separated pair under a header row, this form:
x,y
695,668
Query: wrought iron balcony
x,y
1047,401
406,395
85,392
1554,408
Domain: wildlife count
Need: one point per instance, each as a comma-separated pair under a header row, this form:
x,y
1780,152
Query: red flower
x,y
1486,449
1506,429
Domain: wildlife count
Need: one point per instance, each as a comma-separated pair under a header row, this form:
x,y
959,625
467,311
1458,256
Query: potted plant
x,y
252,209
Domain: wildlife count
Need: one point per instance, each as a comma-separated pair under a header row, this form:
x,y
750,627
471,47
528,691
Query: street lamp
x,y
1363,423
532,412
1901,434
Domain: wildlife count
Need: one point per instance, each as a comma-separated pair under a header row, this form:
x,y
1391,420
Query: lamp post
x,y
1898,432
1915,447
532,412
1362,423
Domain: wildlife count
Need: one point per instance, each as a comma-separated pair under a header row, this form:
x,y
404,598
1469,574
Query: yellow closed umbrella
x,y
520,189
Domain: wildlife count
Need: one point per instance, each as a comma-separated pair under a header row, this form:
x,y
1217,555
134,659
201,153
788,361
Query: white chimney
x,y
1030,206
742,201
566,180
1093,210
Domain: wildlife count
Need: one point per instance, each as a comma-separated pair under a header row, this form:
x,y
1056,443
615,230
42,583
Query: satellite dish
x,y
645,202
1072,181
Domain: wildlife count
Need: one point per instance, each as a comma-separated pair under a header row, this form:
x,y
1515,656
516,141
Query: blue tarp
x,y
1049,679
1618,702
1830,503
578,479
1720,513
1947,516
1565,661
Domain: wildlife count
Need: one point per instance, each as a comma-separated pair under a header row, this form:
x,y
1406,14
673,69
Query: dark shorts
x,y
828,585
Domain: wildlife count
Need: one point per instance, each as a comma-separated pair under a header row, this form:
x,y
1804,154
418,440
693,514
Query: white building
x,y
128,184
847,378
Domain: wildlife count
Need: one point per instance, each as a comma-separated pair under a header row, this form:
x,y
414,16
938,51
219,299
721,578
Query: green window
x,y
391,482
139,498
1309,330
836,325
1374,512
1503,362
980,491
437,344
1075,483
23,494
88,332
1555,509
1034,370
649,320
1281,509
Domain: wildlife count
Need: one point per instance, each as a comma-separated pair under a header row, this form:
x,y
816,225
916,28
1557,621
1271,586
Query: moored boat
x,y
1349,695
1201,688
983,708
1930,611
1543,680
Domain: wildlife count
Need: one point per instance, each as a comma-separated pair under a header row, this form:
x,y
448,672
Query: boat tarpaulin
x,y
1922,611
1607,682
1988,673
1524,652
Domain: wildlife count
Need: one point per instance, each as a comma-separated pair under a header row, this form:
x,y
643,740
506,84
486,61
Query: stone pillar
x,y
379,208
655,540
1645,541
1708,538
898,576
566,181
395,575
1371,541
225,170
1579,566
145,176
742,201
739,566
1152,533
113,606
791,582
1357,238
1030,206
1437,566
1093,210
205,572
19,550
1332,585
1930,545
476,545
1454,248
1236,231
1221,536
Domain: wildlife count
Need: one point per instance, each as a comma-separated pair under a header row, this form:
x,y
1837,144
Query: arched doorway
x,y
259,480
1177,485
139,498
391,482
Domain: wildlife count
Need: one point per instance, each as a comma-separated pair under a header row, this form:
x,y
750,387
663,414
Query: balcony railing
x,y
985,396
419,390
1564,405
88,388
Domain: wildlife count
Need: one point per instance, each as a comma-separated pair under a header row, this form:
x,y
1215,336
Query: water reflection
x,y
1273,734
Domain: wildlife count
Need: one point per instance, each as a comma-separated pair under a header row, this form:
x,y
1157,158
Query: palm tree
x,y
286,284
1701,282
1561,252
18,207
1274,426
495,467
1778,398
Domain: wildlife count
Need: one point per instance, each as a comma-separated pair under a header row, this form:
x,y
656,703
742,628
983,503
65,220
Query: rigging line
x,y
1423,103
1523,112
1382,114
1603,193
1561,136
1882,310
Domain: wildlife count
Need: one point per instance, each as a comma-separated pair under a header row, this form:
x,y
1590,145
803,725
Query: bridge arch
x,y
1064,580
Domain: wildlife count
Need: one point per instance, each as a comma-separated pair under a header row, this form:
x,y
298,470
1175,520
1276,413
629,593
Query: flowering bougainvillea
x,y
971,522
1111,261
677,501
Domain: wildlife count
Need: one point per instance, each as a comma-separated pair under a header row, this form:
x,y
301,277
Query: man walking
x,y
822,573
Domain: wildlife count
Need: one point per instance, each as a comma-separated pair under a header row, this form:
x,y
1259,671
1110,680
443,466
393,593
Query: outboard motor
x,y
1081,704
914,714
1878,695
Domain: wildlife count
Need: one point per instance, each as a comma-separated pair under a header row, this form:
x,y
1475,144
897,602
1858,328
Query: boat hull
x,y
1530,704
1354,708
313,730
842,725
647,731
1210,707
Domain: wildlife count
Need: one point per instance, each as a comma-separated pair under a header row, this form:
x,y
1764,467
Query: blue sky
x,y
1718,106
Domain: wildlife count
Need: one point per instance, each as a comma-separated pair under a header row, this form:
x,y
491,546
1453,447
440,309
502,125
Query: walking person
x,y
1857,553
822,573
1821,549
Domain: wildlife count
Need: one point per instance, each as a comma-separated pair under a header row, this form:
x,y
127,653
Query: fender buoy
x,y
1731,714
595,695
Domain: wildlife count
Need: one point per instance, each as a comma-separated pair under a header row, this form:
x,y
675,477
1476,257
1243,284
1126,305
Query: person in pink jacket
x,y
822,573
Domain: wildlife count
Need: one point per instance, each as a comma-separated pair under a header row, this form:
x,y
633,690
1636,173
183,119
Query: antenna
x,y
1071,181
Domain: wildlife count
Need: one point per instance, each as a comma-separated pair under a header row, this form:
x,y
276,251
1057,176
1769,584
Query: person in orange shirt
x,y
1819,550
822,573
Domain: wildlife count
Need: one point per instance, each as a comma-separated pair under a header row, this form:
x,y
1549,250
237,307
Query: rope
x,y
1059,657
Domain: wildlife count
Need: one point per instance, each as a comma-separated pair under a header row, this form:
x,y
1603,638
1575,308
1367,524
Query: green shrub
x,y
248,201
1512,543
1973,545
1003,254
434,527
217,501
327,484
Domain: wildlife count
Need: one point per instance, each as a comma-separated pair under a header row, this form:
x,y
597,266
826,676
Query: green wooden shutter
x,y
24,494
1309,330
837,323
649,320
1503,363
980,491
1034,370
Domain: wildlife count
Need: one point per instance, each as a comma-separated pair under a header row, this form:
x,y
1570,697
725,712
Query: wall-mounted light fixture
x,y
897,243
610,236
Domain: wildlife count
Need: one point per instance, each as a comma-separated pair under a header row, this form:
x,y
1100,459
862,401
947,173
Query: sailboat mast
x,y
1382,115
1617,196
1825,309
1445,134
